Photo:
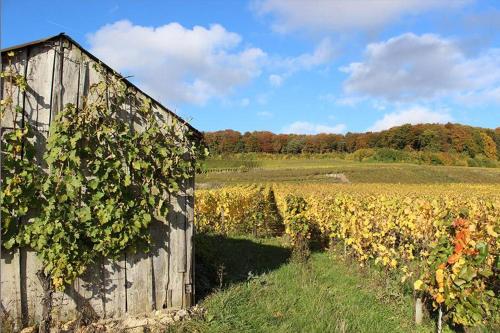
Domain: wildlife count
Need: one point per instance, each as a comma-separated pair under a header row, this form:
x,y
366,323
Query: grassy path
x,y
325,295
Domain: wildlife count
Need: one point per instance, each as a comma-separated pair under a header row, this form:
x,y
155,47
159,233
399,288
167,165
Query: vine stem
x,y
440,320
47,301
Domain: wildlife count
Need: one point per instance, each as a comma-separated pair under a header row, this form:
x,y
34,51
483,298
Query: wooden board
x,y
89,293
160,258
114,288
93,77
39,79
139,283
189,274
137,118
64,306
34,292
17,66
71,75
10,284
177,265
56,103
84,81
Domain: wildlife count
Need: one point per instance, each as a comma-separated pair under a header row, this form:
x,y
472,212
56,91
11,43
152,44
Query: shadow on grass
x,y
222,261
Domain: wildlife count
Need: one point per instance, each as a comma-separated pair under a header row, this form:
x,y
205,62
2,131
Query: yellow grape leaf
x,y
491,231
418,284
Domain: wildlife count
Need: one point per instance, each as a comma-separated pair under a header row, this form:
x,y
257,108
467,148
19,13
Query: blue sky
x,y
290,66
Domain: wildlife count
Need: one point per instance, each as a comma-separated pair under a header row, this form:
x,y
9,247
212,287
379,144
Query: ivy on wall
x,y
21,175
107,177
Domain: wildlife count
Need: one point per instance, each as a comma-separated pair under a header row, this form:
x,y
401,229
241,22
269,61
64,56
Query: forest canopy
x,y
448,138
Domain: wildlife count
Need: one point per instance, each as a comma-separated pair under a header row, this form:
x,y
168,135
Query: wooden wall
x,y
58,72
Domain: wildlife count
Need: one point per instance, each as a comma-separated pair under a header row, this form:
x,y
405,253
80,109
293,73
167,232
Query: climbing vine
x,y
109,173
21,175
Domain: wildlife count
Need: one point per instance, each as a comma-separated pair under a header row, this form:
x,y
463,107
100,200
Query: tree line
x,y
450,138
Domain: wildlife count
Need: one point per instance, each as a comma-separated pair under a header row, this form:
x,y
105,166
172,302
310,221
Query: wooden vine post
x,y
418,311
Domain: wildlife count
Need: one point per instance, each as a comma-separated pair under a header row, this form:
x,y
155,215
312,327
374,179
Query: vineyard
x,y
440,240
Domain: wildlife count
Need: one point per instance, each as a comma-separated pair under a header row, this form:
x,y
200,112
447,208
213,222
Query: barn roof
x,y
62,35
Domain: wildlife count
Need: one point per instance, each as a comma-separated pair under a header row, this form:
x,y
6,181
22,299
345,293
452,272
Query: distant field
x,y
233,171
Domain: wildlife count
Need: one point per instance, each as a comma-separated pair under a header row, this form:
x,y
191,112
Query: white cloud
x,y
410,67
178,64
265,114
477,98
323,54
245,102
415,115
304,127
335,15
275,80
340,101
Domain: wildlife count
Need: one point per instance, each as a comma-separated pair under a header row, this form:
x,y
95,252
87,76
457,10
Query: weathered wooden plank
x,y
15,65
89,291
56,99
177,265
30,265
189,275
114,287
139,283
138,120
161,115
10,278
160,256
84,81
96,74
64,306
39,79
89,76
71,75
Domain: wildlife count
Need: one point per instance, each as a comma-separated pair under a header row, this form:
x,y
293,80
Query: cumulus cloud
x,y
340,101
179,64
264,114
304,127
415,115
290,15
245,102
410,67
484,97
323,54
275,80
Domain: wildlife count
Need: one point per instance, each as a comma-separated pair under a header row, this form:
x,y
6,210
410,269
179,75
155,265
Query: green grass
x,y
317,170
323,295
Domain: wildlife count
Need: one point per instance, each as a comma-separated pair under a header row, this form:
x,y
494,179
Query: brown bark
x,y
48,291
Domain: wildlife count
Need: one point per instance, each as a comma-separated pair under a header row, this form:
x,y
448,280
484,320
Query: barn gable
x,y
69,66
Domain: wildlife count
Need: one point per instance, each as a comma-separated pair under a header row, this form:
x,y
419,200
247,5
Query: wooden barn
x,y
59,71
